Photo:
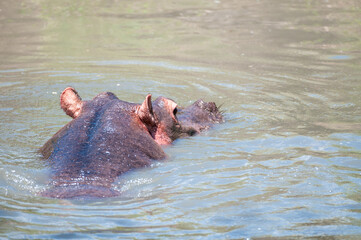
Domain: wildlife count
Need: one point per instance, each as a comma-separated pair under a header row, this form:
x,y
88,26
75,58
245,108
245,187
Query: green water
x,y
285,164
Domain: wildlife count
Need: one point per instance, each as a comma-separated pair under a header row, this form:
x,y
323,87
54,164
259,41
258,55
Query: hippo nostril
x,y
212,107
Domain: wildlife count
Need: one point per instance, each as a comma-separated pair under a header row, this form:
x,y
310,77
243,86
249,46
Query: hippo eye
x,y
175,111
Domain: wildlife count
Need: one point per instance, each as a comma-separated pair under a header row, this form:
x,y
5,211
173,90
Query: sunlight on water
x,y
285,164
152,64
340,57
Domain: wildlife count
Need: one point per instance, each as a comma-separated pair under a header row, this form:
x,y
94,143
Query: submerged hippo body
x,y
108,137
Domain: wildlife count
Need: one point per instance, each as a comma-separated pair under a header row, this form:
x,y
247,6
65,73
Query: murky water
x,y
285,164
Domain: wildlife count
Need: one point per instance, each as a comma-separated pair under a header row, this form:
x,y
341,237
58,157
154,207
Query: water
x,y
285,164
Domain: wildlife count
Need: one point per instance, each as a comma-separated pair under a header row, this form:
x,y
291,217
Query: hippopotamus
x,y
108,137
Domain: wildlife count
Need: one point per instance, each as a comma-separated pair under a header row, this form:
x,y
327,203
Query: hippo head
x,y
162,118
168,121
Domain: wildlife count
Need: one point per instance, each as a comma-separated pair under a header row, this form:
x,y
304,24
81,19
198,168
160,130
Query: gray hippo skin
x,y
108,137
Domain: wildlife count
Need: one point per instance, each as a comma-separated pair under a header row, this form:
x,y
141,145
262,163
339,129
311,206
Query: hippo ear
x,y
145,111
71,102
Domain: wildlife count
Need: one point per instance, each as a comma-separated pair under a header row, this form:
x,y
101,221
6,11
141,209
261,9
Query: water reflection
x,y
285,164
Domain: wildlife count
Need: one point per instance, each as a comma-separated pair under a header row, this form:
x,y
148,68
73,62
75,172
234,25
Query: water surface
x,y
285,164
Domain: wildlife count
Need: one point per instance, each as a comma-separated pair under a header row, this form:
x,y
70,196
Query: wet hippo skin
x,y
108,137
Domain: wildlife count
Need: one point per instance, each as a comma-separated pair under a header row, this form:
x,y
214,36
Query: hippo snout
x,y
199,116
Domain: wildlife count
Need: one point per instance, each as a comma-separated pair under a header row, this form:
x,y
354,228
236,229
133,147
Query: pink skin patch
x,y
161,136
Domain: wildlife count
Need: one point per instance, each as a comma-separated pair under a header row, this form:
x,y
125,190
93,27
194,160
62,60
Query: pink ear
x,y
145,112
71,102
